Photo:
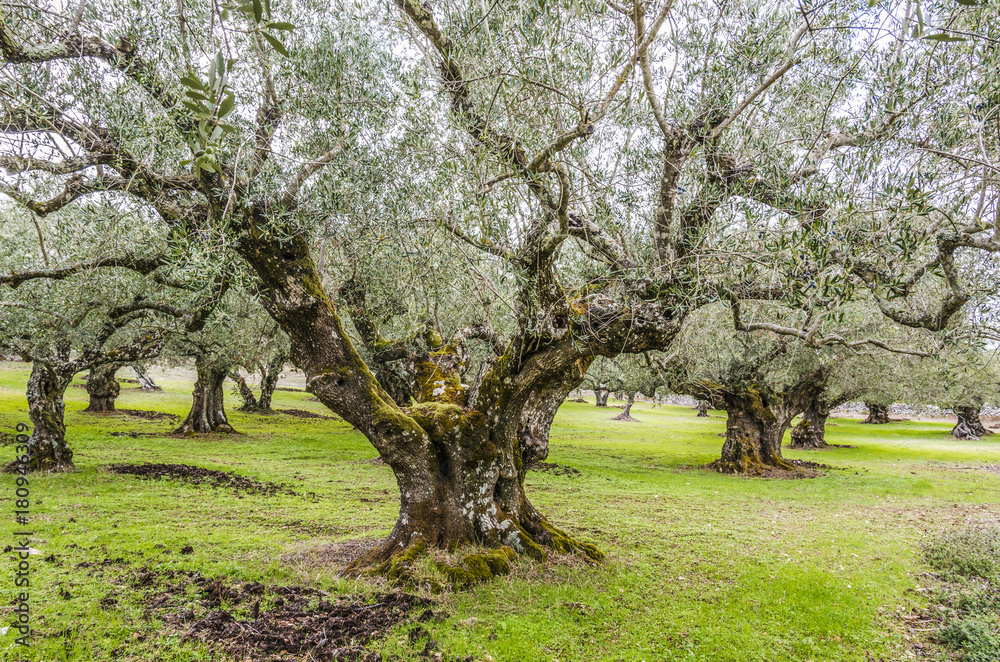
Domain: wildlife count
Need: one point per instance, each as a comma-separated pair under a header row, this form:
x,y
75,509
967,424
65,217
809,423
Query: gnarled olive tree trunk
x,y
810,433
878,413
146,382
458,463
601,395
969,426
47,446
269,381
626,414
540,410
754,429
702,408
246,393
208,412
103,388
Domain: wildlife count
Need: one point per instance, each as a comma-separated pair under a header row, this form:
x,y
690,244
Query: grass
x,y
702,566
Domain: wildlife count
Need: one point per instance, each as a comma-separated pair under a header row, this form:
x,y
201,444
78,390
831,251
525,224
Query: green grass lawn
x,y
701,566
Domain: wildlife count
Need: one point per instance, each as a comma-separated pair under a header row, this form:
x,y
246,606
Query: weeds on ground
x,y
968,603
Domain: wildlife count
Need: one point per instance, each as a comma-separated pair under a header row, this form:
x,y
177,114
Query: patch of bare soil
x,y
338,554
580,400
147,415
324,630
803,469
553,468
253,621
289,388
200,476
302,413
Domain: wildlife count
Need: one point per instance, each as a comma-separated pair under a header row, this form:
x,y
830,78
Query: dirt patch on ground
x,y
200,476
553,468
803,469
302,413
289,388
147,415
254,621
338,554
323,630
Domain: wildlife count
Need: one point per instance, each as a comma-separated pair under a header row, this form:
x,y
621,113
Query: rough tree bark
x,y
269,381
702,408
146,382
810,433
246,393
758,417
47,446
103,388
754,429
878,413
626,414
602,397
969,426
540,411
208,412
458,463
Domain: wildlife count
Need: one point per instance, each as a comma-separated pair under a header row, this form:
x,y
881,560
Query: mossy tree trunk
x,y
758,416
754,429
47,446
601,395
969,425
208,411
103,388
878,413
458,462
810,433
540,410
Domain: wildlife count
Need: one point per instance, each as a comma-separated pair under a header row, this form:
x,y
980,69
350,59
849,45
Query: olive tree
x,y
641,184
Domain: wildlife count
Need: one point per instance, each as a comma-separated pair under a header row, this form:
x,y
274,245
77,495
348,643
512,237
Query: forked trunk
x,y
702,408
146,382
969,426
103,389
458,464
246,393
810,433
878,413
47,447
540,411
208,412
602,397
269,381
626,414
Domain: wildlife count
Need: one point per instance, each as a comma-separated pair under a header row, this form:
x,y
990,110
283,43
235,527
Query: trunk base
x,y
395,557
877,414
100,405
